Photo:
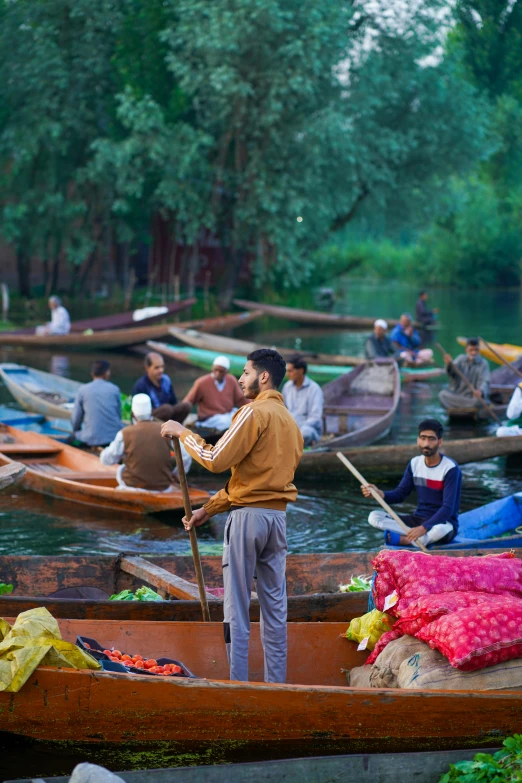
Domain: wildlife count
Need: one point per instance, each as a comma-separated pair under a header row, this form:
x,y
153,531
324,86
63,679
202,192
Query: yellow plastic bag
x,y
35,640
368,629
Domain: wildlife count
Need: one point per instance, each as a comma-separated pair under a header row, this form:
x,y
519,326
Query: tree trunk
x,y
56,273
233,268
23,268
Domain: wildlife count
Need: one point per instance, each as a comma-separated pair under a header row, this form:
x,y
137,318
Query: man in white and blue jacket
x,y
437,480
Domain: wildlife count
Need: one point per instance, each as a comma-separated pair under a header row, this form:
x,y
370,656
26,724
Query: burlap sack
x,y
385,670
360,677
430,670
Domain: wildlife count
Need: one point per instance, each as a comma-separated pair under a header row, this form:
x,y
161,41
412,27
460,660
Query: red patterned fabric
x,y
413,575
430,607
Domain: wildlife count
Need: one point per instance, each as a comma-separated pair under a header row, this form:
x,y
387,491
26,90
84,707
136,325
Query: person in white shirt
x,y
514,414
304,399
60,322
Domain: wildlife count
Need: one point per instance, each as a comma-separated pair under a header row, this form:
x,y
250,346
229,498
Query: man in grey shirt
x,y
475,369
304,399
96,416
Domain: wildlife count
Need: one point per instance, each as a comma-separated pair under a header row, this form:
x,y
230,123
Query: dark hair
x,y
432,424
472,341
148,360
421,293
270,361
99,368
298,362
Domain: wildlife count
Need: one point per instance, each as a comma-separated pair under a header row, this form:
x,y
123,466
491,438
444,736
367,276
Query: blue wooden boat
x,y
60,429
40,392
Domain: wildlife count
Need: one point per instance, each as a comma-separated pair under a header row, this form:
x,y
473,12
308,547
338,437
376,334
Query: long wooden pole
x,y
192,533
378,498
470,386
499,356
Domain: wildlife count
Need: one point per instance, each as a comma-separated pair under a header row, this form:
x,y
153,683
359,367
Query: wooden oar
x,y
499,356
379,500
192,533
470,386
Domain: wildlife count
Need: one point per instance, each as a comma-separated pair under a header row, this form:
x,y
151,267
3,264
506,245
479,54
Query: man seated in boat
x,y
262,448
145,455
96,416
476,369
407,342
437,480
304,399
60,322
217,395
378,345
159,387
514,415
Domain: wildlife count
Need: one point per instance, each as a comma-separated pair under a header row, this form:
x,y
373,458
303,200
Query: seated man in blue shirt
x,y
304,400
406,341
437,480
158,386
96,416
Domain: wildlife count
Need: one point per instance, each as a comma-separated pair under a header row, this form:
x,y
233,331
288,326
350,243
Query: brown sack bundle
x,y
429,670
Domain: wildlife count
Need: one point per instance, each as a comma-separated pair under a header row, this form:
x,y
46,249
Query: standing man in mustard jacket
x,y
262,448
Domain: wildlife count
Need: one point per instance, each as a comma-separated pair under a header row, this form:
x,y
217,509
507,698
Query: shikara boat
x,y
503,381
79,586
64,472
424,767
509,352
391,458
476,414
322,373
41,392
359,407
60,429
314,713
333,320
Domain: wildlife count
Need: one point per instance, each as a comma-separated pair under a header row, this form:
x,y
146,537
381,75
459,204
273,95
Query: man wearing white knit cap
x,y
145,455
378,345
217,396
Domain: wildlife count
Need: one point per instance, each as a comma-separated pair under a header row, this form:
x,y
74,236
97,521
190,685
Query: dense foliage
x,y
274,125
505,766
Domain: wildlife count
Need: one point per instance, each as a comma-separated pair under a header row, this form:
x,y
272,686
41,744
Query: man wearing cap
x,y
378,345
145,455
304,399
159,388
217,396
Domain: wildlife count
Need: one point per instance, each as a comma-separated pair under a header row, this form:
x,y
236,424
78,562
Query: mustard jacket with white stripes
x,y
262,448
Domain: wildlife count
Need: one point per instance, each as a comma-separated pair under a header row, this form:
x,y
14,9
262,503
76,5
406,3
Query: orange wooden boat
x,y
64,585
64,472
315,712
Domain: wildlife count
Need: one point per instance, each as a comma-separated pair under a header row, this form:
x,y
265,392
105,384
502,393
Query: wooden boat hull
x,y
60,429
509,352
312,584
359,408
332,320
23,383
90,483
315,710
475,414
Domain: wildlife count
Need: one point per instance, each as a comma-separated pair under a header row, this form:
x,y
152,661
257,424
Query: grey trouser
x,y
255,547
451,400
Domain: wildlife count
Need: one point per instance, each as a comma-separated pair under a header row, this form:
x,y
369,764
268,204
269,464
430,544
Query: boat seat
x,y
21,449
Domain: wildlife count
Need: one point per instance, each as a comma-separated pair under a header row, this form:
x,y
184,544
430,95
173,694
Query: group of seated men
x,y
403,344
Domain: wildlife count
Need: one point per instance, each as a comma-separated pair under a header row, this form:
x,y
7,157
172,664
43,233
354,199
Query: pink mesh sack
x,y
474,637
425,610
412,575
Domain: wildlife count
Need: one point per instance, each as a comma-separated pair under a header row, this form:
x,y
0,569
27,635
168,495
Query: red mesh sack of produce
x,y
478,636
412,575
430,607
385,639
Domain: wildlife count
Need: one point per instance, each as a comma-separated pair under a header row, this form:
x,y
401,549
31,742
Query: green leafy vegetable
x,y
357,584
125,595
5,589
141,594
505,766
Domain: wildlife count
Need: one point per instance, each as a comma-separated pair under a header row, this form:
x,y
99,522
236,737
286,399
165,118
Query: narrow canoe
x,y
312,583
359,407
315,713
60,429
322,373
64,472
333,320
357,768
41,392
116,338
230,345
123,320
509,352
476,414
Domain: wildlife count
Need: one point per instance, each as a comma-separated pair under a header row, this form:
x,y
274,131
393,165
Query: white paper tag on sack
x,y
363,643
390,601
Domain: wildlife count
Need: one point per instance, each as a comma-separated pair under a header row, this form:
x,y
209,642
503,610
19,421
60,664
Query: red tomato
x,y
139,665
138,657
117,653
108,652
126,657
176,670
150,663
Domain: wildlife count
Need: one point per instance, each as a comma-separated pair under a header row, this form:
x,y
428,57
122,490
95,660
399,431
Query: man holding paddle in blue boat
x,y
262,448
437,480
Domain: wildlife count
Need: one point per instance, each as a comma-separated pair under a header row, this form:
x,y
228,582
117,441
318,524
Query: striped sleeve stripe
x,y
190,441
